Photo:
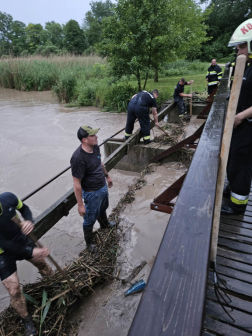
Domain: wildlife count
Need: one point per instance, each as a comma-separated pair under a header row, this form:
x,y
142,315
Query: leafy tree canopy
x,y
74,40
145,33
92,23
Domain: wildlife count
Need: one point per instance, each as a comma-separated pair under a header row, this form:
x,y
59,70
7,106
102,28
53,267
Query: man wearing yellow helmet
x,y
240,155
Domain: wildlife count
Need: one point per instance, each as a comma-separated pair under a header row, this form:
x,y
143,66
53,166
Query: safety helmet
x,y
242,34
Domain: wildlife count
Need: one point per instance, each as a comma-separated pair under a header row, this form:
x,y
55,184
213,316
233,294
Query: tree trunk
x,y
145,82
156,76
139,81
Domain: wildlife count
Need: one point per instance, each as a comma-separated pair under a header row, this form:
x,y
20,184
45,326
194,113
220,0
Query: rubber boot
x,y
88,235
103,221
29,327
146,142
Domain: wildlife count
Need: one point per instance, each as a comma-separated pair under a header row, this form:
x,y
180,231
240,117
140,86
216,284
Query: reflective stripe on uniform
x,y
146,137
212,83
20,204
126,134
238,199
212,72
1,251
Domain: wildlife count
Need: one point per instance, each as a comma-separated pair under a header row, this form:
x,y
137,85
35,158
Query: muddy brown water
x,y
37,139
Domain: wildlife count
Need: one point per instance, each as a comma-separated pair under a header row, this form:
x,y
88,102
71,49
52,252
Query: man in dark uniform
x,y
139,109
15,245
240,154
179,94
213,76
89,176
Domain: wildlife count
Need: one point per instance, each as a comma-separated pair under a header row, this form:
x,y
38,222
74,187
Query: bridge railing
x,y
173,301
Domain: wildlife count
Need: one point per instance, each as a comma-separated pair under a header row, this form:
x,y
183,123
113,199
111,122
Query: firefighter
x,y
139,108
240,154
179,94
213,77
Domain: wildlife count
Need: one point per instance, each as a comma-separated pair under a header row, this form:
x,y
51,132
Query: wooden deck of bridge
x,y
234,266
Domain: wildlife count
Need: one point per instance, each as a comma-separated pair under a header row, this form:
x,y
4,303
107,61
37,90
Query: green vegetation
x,y
140,36
85,81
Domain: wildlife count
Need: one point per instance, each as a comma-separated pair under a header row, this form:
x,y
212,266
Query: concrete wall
x,y
139,157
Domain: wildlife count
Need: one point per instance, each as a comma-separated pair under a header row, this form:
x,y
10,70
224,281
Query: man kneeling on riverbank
x,y
15,245
89,182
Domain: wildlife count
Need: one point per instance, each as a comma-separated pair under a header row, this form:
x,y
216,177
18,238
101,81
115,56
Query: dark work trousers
x,y
211,88
140,112
181,105
239,166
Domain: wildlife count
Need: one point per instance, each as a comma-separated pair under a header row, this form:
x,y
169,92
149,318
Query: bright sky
x,y
41,11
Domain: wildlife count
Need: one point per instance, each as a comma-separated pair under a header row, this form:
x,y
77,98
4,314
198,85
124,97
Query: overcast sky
x,y
41,11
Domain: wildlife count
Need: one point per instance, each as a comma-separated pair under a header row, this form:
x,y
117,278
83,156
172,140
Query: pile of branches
x,y
49,299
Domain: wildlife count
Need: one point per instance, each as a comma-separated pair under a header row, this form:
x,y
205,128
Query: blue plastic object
x,y
136,288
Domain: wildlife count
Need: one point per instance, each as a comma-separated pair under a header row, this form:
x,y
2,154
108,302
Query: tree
x,y
145,33
5,32
74,40
18,37
54,33
33,36
225,17
92,24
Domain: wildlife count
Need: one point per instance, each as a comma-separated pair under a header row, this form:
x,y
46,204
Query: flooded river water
x,y
37,139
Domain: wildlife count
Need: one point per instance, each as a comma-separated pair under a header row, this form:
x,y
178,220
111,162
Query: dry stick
x,y
227,134
59,269
191,102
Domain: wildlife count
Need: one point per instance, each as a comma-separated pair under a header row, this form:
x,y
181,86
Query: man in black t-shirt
x,y
179,94
89,183
139,109
16,245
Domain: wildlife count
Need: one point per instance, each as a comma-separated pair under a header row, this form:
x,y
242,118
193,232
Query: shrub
x,y
65,87
118,97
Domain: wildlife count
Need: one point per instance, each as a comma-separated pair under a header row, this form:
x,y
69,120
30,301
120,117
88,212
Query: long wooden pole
x,y
227,134
191,102
35,240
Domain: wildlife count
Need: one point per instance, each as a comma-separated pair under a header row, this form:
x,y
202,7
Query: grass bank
x,y
83,81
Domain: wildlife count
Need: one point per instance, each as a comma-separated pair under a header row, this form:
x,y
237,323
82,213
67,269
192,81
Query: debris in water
x,y
136,288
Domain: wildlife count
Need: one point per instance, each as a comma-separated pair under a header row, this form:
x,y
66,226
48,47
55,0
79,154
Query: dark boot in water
x,y
104,222
88,235
29,327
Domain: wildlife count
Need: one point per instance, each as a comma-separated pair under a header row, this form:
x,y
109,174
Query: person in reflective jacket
x,y
213,76
240,154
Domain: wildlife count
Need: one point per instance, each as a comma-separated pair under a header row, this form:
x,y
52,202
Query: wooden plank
x,y
173,300
205,111
235,237
236,274
236,302
221,328
242,320
235,246
241,218
233,222
235,229
234,255
234,264
161,207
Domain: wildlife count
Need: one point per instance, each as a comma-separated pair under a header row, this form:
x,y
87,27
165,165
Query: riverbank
x,y
86,81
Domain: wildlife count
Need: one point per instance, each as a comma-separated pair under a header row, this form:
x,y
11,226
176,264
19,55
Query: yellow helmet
x,y
242,34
